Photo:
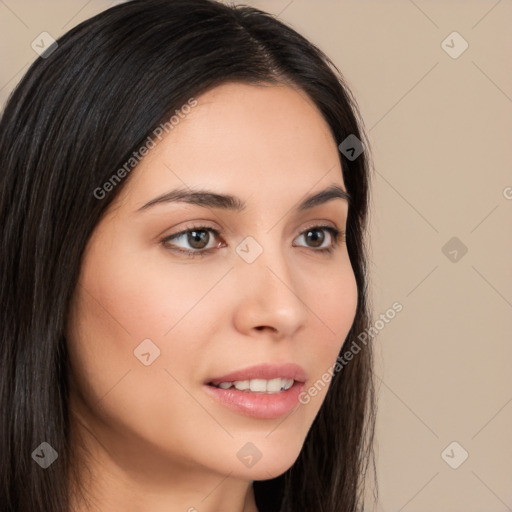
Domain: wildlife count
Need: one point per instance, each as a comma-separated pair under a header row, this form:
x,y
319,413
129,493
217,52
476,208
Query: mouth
x,y
263,392
254,377
271,386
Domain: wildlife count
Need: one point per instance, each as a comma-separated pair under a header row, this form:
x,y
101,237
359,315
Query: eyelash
x,y
337,237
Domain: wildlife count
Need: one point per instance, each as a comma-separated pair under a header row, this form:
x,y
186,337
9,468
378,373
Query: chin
x,y
266,459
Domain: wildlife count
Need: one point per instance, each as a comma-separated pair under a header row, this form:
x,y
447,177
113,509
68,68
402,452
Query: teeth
x,y
288,383
241,384
259,385
273,385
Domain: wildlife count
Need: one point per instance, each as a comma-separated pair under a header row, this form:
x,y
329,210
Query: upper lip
x,y
264,371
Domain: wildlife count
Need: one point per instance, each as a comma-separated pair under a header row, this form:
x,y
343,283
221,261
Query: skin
x,y
156,441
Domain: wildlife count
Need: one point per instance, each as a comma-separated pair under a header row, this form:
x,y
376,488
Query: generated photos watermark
x,y
147,146
343,360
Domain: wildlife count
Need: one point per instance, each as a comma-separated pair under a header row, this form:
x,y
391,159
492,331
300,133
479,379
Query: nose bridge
x,y
270,297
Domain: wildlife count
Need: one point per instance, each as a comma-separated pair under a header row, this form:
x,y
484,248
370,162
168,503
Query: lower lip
x,y
258,405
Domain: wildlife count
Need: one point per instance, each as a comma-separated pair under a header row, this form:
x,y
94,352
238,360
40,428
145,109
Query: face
x,y
179,294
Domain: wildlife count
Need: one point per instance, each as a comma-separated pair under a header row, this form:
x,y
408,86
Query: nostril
x,y
262,327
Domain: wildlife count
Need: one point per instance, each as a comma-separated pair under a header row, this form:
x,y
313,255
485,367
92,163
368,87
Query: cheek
x,y
114,310
125,299
134,295
333,307
333,302
339,301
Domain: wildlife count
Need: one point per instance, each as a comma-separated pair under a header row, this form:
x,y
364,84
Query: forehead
x,y
237,118
249,140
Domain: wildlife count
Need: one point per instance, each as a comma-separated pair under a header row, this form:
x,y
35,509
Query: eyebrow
x,y
209,199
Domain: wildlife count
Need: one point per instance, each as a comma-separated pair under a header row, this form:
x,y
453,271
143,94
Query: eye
x,y
321,238
194,240
200,240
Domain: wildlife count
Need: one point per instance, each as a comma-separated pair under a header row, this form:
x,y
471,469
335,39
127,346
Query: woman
x,y
183,199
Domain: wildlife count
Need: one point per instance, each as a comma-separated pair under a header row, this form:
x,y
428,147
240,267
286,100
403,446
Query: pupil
x,y
198,239
316,236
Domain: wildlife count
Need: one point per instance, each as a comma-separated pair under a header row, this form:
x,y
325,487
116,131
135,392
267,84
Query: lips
x,y
263,371
257,404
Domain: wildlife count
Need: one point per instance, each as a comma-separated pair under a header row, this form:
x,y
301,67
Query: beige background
x,y
441,133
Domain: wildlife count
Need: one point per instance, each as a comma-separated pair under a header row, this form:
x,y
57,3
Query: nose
x,y
268,299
